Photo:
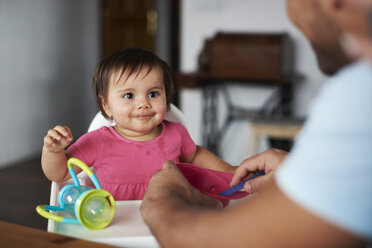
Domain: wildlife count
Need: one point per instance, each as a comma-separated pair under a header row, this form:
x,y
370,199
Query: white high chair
x,y
174,114
123,231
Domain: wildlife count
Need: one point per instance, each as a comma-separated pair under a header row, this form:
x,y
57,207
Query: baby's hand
x,y
58,139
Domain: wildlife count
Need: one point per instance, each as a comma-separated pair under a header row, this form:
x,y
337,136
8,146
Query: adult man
x,y
319,198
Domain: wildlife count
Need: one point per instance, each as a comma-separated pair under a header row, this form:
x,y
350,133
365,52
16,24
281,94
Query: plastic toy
x,y
92,208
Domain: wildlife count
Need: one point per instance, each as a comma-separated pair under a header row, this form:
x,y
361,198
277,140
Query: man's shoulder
x,y
358,73
345,98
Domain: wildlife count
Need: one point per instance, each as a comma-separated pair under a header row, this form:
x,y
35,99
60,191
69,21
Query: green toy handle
x,y
85,168
42,210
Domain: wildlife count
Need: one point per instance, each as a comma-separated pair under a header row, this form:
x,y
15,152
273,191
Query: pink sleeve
x,y
188,145
87,148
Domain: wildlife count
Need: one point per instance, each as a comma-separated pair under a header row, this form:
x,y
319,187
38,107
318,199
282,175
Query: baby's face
x,y
137,103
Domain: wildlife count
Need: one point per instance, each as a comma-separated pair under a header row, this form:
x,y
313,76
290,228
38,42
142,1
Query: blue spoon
x,y
239,186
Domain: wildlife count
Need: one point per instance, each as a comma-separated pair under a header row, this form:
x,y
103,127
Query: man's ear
x,y
105,106
337,4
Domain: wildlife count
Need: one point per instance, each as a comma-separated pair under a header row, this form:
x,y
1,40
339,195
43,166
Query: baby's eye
x,y
128,95
153,94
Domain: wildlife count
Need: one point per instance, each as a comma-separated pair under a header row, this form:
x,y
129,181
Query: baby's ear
x,y
104,107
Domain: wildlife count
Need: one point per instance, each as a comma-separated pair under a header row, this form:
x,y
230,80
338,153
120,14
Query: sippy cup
x,y
92,208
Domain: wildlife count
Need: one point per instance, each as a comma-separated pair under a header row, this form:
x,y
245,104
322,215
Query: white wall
x,y
49,48
201,19
48,51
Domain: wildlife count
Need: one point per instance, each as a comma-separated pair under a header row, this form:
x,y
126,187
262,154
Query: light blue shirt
x,y
329,171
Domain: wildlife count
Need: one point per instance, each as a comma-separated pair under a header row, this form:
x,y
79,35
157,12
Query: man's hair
x,y
129,61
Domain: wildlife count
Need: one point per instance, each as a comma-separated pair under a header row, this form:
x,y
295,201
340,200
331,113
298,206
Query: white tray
x,y
126,229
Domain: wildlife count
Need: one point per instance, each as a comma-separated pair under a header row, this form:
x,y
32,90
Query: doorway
x,y
150,24
128,23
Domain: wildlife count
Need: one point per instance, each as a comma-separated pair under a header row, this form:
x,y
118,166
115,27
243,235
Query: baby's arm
x,y
205,158
54,157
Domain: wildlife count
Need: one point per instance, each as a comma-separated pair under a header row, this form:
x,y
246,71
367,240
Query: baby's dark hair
x,y
129,61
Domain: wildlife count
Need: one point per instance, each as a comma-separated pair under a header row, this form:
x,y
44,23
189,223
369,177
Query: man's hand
x,y
57,139
267,161
168,188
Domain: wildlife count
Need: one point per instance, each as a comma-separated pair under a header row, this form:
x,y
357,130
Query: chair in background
x,y
264,59
279,129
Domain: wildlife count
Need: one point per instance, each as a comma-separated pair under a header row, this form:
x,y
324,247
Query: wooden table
x,y
12,235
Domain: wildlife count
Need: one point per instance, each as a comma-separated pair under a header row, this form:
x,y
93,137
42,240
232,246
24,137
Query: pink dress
x,y
124,167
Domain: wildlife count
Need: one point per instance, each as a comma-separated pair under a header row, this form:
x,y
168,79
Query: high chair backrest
x,y
174,114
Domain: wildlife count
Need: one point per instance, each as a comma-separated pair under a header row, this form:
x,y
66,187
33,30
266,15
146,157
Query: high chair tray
x,y
127,229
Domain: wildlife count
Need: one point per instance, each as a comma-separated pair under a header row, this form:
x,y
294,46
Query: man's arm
x,y
179,216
